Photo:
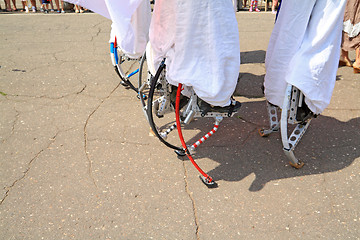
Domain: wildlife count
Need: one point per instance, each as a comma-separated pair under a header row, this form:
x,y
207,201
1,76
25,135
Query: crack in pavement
x,y
99,23
86,140
196,220
95,35
51,98
8,188
248,135
247,121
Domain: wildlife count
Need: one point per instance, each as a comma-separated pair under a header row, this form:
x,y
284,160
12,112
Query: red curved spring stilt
x,y
206,178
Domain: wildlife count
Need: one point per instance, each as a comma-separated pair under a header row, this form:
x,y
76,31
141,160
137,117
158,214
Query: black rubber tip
x,y
180,153
209,184
124,83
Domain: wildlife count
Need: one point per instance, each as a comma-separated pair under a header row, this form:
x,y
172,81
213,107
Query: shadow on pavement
x,y
328,145
257,56
249,84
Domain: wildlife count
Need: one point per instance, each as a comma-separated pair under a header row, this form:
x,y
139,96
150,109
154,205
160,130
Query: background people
x,y
254,6
274,6
78,9
351,35
25,7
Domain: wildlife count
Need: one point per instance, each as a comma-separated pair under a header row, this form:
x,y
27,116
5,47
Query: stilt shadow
x,y
328,145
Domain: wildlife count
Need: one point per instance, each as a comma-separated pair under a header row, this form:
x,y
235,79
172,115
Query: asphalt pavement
x,y
77,160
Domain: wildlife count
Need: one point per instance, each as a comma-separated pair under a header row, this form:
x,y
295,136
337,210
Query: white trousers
x,y
200,41
304,50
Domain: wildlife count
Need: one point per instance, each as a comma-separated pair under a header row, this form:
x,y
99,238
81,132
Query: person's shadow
x,y
328,146
249,84
257,56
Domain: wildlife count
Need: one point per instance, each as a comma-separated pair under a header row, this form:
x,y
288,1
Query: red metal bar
x,y
177,106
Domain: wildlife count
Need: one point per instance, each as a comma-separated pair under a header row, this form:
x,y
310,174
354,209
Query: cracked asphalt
x,y
77,160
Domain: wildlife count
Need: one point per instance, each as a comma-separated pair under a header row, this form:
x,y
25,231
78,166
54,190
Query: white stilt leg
x,y
293,99
273,119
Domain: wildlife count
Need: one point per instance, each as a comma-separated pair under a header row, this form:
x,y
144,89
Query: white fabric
x,y
235,4
112,34
350,29
150,59
200,41
131,21
162,30
304,50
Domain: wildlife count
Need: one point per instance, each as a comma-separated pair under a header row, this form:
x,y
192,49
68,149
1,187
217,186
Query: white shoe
x,y
26,9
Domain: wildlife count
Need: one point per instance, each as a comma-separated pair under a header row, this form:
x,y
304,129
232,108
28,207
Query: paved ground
x,y
77,161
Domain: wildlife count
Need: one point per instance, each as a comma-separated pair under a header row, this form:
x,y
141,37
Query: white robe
x,y
200,41
131,21
304,50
